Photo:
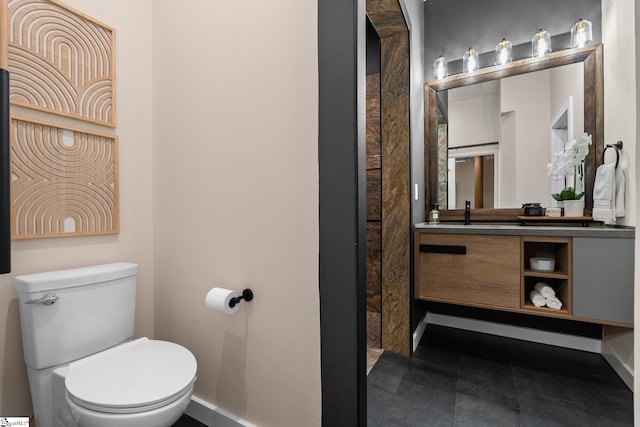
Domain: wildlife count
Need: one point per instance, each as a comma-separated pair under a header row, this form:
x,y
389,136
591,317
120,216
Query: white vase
x,y
574,207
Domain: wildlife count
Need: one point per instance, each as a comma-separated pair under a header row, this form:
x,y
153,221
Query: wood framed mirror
x,y
436,157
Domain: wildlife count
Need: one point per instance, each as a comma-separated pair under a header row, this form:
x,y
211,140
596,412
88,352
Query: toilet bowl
x,y
140,383
84,370
164,416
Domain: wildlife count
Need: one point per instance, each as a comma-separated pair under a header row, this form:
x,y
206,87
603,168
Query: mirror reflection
x,y
496,138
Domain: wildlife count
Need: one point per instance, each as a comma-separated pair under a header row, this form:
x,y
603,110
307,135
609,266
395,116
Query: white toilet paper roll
x,y
218,299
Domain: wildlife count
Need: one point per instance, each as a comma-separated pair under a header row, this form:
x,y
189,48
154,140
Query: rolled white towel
x,y
545,290
537,299
554,303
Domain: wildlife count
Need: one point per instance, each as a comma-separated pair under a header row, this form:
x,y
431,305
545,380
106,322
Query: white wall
x,y
620,113
236,200
507,161
566,81
474,113
618,39
527,106
132,21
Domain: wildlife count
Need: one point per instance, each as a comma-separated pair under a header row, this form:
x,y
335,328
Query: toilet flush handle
x,y
48,299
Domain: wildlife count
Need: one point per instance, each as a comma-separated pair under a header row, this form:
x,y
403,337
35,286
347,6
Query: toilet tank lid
x,y
60,279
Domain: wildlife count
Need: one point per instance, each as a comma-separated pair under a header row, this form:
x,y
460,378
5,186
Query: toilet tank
x,y
94,310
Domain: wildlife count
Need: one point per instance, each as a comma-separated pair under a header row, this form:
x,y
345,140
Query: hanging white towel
x,y
620,188
604,192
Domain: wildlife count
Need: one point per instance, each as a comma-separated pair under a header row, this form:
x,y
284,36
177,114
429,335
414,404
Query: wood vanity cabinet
x,y
593,276
477,270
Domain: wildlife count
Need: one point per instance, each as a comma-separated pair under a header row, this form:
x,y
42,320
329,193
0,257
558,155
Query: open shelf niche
x,y
558,248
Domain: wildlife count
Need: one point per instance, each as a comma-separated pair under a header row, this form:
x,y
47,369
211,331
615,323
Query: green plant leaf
x,y
567,194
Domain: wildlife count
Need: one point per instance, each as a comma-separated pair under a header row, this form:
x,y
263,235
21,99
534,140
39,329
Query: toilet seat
x,y
134,377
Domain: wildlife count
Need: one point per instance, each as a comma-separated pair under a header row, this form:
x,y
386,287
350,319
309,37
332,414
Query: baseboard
x,y
212,416
417,334
518,332
623,372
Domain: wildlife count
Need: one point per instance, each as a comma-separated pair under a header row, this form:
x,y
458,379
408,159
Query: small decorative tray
x,y
583,220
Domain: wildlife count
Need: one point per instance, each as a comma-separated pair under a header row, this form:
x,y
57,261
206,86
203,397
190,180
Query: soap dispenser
x,y
434,215
467,212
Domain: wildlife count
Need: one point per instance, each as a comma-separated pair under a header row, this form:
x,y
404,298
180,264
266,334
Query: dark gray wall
x,y
5,176
452,26
341,159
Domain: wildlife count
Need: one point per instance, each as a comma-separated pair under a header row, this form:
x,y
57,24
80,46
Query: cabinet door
x,y
603,279
479,270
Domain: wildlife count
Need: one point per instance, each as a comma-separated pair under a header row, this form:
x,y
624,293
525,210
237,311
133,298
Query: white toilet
x,y
83,368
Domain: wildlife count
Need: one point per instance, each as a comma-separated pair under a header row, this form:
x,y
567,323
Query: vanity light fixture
x,y
581,33
440,68
504,52
470,61
541,43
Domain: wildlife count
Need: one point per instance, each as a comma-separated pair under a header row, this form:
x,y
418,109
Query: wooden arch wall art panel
x,y
64,181
61,61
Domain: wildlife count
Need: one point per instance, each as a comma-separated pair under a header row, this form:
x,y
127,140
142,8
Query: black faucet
x,y
467,212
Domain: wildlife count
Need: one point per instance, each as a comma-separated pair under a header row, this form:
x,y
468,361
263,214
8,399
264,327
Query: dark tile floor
x,y
187,421
461,378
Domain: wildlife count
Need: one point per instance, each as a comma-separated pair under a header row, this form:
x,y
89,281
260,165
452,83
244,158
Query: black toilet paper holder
x,y
247,295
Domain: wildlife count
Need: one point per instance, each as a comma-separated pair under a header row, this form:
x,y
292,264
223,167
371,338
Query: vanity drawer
x,y
479,270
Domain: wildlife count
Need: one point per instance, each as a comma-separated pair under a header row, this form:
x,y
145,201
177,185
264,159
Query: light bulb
x,y
470,61
440,68
541,43
503,52
581,33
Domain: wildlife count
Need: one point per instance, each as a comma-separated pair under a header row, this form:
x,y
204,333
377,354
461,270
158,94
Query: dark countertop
x,y
527,230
